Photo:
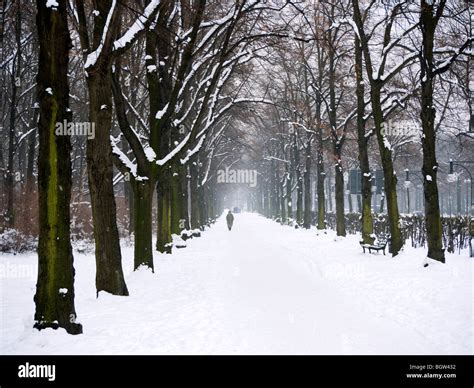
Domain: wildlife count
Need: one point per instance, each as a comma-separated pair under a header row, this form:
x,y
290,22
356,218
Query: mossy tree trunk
x,y
163,196
376,84
390,179
54,298
367,226
142,204
336,138
428,22
195,196
321,175
109,273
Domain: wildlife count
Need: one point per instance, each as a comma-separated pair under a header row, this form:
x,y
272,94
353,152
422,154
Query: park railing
x,y
455,228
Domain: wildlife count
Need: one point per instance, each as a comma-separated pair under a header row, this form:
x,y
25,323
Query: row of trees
x,y
368,65
178,90
161,78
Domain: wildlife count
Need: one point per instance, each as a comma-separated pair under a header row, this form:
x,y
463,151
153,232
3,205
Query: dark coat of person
x,y
230,220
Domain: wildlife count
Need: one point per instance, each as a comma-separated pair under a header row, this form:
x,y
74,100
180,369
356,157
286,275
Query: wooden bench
x,y
379,245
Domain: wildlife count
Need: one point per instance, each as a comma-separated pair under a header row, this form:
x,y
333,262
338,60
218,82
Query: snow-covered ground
x,y
261,288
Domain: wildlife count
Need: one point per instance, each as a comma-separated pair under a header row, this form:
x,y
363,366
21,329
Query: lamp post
x,y
407,187
417,175
463,164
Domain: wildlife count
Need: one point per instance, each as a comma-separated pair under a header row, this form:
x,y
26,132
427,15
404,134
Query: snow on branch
x,y
395,69
138,26
196,149
446,64
126,163
174,152
92,57
337,24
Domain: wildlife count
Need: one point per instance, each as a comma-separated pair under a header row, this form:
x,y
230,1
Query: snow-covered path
x,y
261,288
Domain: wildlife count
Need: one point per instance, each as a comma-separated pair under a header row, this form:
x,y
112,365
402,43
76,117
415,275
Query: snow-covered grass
x,y
261,288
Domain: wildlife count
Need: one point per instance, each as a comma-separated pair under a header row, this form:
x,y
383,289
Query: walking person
x,y
230,220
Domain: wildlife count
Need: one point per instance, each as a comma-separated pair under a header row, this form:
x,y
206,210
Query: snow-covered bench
x,y
379,245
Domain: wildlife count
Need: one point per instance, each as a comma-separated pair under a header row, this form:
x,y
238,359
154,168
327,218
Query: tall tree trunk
x,y
54,298
109,273
329,191
185,199
277,201
299,181
177,199
194,192
163,196
307,186
266,199
272,196
30,179
289,204
10,175
321,175
339,178
337,140
284,216
321,224
142,204
428,23
390,179
367,226
127,184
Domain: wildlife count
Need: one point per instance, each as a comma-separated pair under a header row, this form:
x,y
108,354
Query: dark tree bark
x,y
142,204
283,209
363,143
10,174
289,204
194,176
54,298
338,169
307,185
329,191
299,180
163,196
109,273
30,179
278,214
321,175
142,184
337,140
339,185
428,22
390,179
177,202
